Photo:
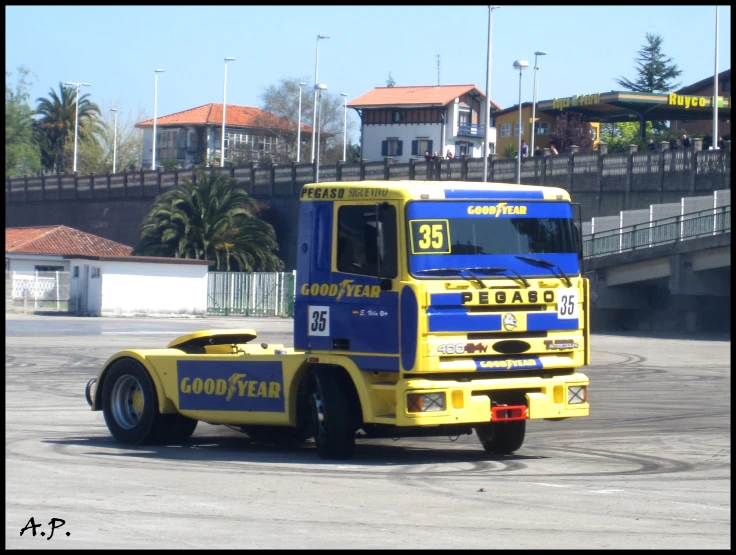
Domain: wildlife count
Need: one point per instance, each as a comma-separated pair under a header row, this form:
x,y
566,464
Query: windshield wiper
x,y
494,269
546,264
458,271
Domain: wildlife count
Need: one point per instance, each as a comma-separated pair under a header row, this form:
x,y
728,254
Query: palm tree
x,y
56,125
209,219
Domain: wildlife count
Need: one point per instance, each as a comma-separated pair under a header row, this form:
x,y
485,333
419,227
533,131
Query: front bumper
x,y
469,402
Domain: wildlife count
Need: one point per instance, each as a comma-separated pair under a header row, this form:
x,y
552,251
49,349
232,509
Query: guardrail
x,y
667,230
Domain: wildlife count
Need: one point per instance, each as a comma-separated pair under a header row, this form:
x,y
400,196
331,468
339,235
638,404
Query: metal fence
x,y
37,291
666,230
251,294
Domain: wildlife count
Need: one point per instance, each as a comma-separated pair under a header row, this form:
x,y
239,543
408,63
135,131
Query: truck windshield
x,y
460,234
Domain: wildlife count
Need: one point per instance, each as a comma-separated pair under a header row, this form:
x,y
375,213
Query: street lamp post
x,y
488,95
224,107
714,144
76,119
318,89
344,127
534,100
155,100
520,65
115,142
316,78
299,126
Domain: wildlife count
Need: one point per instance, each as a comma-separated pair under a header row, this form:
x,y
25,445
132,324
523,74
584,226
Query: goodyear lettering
x,y
236,385
322,192
501,209
346,288
508,364
688,102
500,297
372,192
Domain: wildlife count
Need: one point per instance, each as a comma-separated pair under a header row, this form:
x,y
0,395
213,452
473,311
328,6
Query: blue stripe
x,y
443,210
485,194
545,322
457,319
379,364
567,261
446,299
409,327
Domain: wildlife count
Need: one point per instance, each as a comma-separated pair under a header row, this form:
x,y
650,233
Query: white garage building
x,y
94,276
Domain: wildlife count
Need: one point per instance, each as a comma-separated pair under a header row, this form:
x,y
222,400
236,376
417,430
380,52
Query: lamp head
x,y
229,59
158,70
343,94
320,87
540,53
113,109
322,37
302,83
521,64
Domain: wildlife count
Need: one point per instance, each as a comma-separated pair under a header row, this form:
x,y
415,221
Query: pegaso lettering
x,y
502,297
236,384
322,193
508,364
346,288
501,209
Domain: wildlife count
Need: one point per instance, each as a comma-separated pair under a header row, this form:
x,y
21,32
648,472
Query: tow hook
x,y
88,390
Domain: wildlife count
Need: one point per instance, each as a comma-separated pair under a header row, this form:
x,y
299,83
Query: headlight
x,y
425,402
577,394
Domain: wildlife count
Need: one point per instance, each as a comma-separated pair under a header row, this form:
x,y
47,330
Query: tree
x,y
509,151
570,130
209,219
390,81
655,73
283,100
22,155
353,153
129,139
619,136
55,127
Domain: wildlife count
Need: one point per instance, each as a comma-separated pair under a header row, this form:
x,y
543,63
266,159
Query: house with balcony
x,y
405,122
194,136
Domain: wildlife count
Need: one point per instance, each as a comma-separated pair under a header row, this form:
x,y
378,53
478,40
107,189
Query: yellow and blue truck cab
x,y
421,309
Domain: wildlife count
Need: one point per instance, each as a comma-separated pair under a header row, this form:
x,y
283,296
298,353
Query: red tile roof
x,y
60,240
236,116
414,96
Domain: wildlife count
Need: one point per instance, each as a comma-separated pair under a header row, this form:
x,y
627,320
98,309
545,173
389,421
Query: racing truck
x,y
420,309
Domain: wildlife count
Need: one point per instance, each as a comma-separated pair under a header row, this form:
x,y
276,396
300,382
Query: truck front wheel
x,y
130,405
501,438
332,418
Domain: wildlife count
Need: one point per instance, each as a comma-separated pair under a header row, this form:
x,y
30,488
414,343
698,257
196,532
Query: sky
x,y
117,48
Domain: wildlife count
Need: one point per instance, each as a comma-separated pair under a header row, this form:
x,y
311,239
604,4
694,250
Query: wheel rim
x,y
127,402
318,418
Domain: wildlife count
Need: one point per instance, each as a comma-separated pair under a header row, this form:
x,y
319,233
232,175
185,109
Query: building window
x,y
75,272
516,130
358,239
542,128
396,116
95,272
464,116
463,147
505,130
420,146
49,268
392,147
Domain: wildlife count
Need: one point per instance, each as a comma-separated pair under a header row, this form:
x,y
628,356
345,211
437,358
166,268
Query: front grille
x,y
479,309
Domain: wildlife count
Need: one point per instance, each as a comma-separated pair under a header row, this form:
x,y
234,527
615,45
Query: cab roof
x,y
435,190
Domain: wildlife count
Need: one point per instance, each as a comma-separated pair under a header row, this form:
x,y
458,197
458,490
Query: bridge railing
x,y
666,230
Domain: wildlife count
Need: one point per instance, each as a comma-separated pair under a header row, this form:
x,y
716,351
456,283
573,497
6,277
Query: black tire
x,y
333,421
502,438
176,428
130,404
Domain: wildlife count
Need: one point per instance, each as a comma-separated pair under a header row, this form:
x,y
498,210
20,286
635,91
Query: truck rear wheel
x,y
333,423
130,404
501,438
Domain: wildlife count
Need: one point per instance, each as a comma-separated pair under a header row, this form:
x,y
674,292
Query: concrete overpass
x,y
672,274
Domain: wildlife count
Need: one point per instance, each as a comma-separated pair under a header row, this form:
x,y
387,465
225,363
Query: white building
x,y
406,122
194,136
98,277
